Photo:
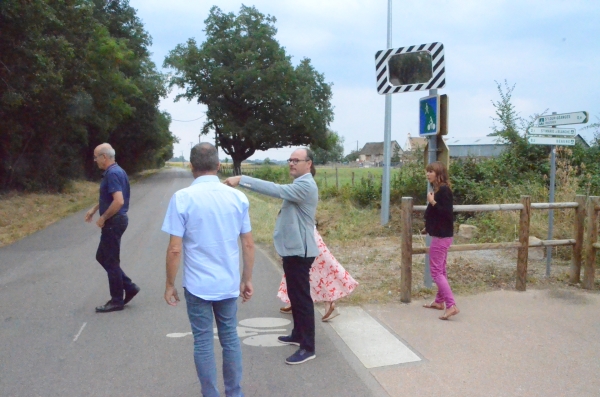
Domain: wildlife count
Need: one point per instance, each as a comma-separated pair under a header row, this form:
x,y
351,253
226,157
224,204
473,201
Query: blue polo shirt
x,y
210,217
114,179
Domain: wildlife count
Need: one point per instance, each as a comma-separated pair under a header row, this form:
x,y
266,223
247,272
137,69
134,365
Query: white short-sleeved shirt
x,y
210,217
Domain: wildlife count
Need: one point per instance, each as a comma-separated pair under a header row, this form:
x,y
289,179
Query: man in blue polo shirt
x,y
205,221
113,205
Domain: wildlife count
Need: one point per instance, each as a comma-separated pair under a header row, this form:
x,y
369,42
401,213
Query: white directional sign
x,y
552,131
563,119
538,140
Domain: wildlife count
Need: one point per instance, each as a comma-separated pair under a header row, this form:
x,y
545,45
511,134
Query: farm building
x,y
414,143
372,152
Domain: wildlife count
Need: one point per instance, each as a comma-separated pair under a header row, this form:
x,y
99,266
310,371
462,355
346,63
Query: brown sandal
x,y
434,305
331,313
453,311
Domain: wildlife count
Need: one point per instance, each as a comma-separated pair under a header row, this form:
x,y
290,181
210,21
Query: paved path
x,y
538,343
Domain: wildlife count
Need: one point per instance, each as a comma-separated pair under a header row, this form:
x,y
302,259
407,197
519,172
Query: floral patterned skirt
x,y
329,281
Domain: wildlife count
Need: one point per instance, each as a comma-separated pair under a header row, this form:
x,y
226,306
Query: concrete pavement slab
x,y
503,343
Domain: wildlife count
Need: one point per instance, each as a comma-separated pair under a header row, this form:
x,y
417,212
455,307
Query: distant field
x,y
327,175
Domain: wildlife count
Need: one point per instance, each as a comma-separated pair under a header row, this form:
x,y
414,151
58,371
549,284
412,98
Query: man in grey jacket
x,y
295,242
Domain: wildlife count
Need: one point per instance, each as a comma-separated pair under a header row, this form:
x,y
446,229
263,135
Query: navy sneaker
x,y
287,340
300,357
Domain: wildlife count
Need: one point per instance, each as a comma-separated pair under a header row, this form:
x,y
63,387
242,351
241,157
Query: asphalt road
x,y
54,344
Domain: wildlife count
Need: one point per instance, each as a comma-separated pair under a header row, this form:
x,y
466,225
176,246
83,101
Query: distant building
x,y
478,147
372,152
414,143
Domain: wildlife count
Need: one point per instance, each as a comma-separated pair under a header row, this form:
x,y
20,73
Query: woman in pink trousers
x,y
440,226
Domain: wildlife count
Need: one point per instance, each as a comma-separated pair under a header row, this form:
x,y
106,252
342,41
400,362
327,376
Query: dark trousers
x,y
109,256
297,270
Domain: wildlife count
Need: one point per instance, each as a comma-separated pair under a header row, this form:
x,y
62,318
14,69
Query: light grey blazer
x,y
295,227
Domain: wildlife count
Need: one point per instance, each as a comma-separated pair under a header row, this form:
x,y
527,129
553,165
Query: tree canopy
x,y
74,74
332,151
256,99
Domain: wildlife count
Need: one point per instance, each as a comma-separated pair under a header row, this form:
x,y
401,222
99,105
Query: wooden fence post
x,y
337,183
524,241
352,178
592,238
406,265
325,178
579,226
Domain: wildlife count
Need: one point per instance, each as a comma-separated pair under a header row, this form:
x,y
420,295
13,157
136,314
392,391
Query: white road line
x,y
79,333
372,343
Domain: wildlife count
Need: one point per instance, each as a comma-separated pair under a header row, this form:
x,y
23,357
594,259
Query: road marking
x,y
250,329
372,343
79,333
265,322
178,334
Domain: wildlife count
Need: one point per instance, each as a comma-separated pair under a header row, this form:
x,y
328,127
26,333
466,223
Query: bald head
x,y
106,149
104,155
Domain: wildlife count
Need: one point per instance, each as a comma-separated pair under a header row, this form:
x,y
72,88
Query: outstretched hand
x,y
233,181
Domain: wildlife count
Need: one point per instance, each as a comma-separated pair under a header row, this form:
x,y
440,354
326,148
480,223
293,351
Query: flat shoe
x,y
332,315
453,311
434,305
109,307
286,310
129,295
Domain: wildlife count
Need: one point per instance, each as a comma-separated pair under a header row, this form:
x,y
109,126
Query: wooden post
x,y
337,183
325,173
592,237
524,241
352,178
579,225
406,265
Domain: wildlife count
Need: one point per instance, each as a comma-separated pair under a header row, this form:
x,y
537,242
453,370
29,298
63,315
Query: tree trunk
x,y
237,166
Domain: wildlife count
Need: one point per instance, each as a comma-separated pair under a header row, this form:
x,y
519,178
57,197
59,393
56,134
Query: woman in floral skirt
x,y
329,281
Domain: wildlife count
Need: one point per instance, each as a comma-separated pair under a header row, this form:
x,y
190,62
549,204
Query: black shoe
x,y
129,295
301,356
287,340
109,307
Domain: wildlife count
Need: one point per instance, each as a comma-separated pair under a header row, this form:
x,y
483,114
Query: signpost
x,y
429,112
563,119
554,136
543,140
552,131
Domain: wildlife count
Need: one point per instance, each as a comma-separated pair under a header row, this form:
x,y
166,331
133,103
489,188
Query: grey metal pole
x,y
551,212
387,138
431,157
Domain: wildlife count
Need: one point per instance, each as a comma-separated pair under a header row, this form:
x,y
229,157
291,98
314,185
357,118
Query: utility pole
x,y
387,138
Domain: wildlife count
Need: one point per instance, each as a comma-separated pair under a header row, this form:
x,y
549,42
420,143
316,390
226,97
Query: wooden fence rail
x,y
583,212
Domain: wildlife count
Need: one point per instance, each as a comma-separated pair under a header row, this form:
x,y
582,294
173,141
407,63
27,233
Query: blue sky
x,y
550,50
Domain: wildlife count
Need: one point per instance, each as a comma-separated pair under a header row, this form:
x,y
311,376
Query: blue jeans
x,y
200,313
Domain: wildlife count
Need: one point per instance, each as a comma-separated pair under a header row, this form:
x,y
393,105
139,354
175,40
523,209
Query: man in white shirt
x,y
205,221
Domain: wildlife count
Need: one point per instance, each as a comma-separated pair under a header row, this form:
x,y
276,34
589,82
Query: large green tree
x,y
73,74
256,99
332,151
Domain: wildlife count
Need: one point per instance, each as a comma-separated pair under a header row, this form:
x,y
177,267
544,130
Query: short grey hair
x,y
108,151
204,157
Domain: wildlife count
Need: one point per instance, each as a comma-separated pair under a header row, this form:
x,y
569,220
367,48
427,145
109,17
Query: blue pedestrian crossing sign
x,y
429,115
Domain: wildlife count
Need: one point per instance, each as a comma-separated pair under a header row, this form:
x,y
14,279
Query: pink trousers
x,y
438,253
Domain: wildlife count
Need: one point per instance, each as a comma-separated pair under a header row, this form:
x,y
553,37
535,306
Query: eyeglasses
x,y
295,161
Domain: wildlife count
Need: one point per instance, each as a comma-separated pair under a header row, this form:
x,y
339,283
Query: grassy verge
x,y
26,213
371,253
